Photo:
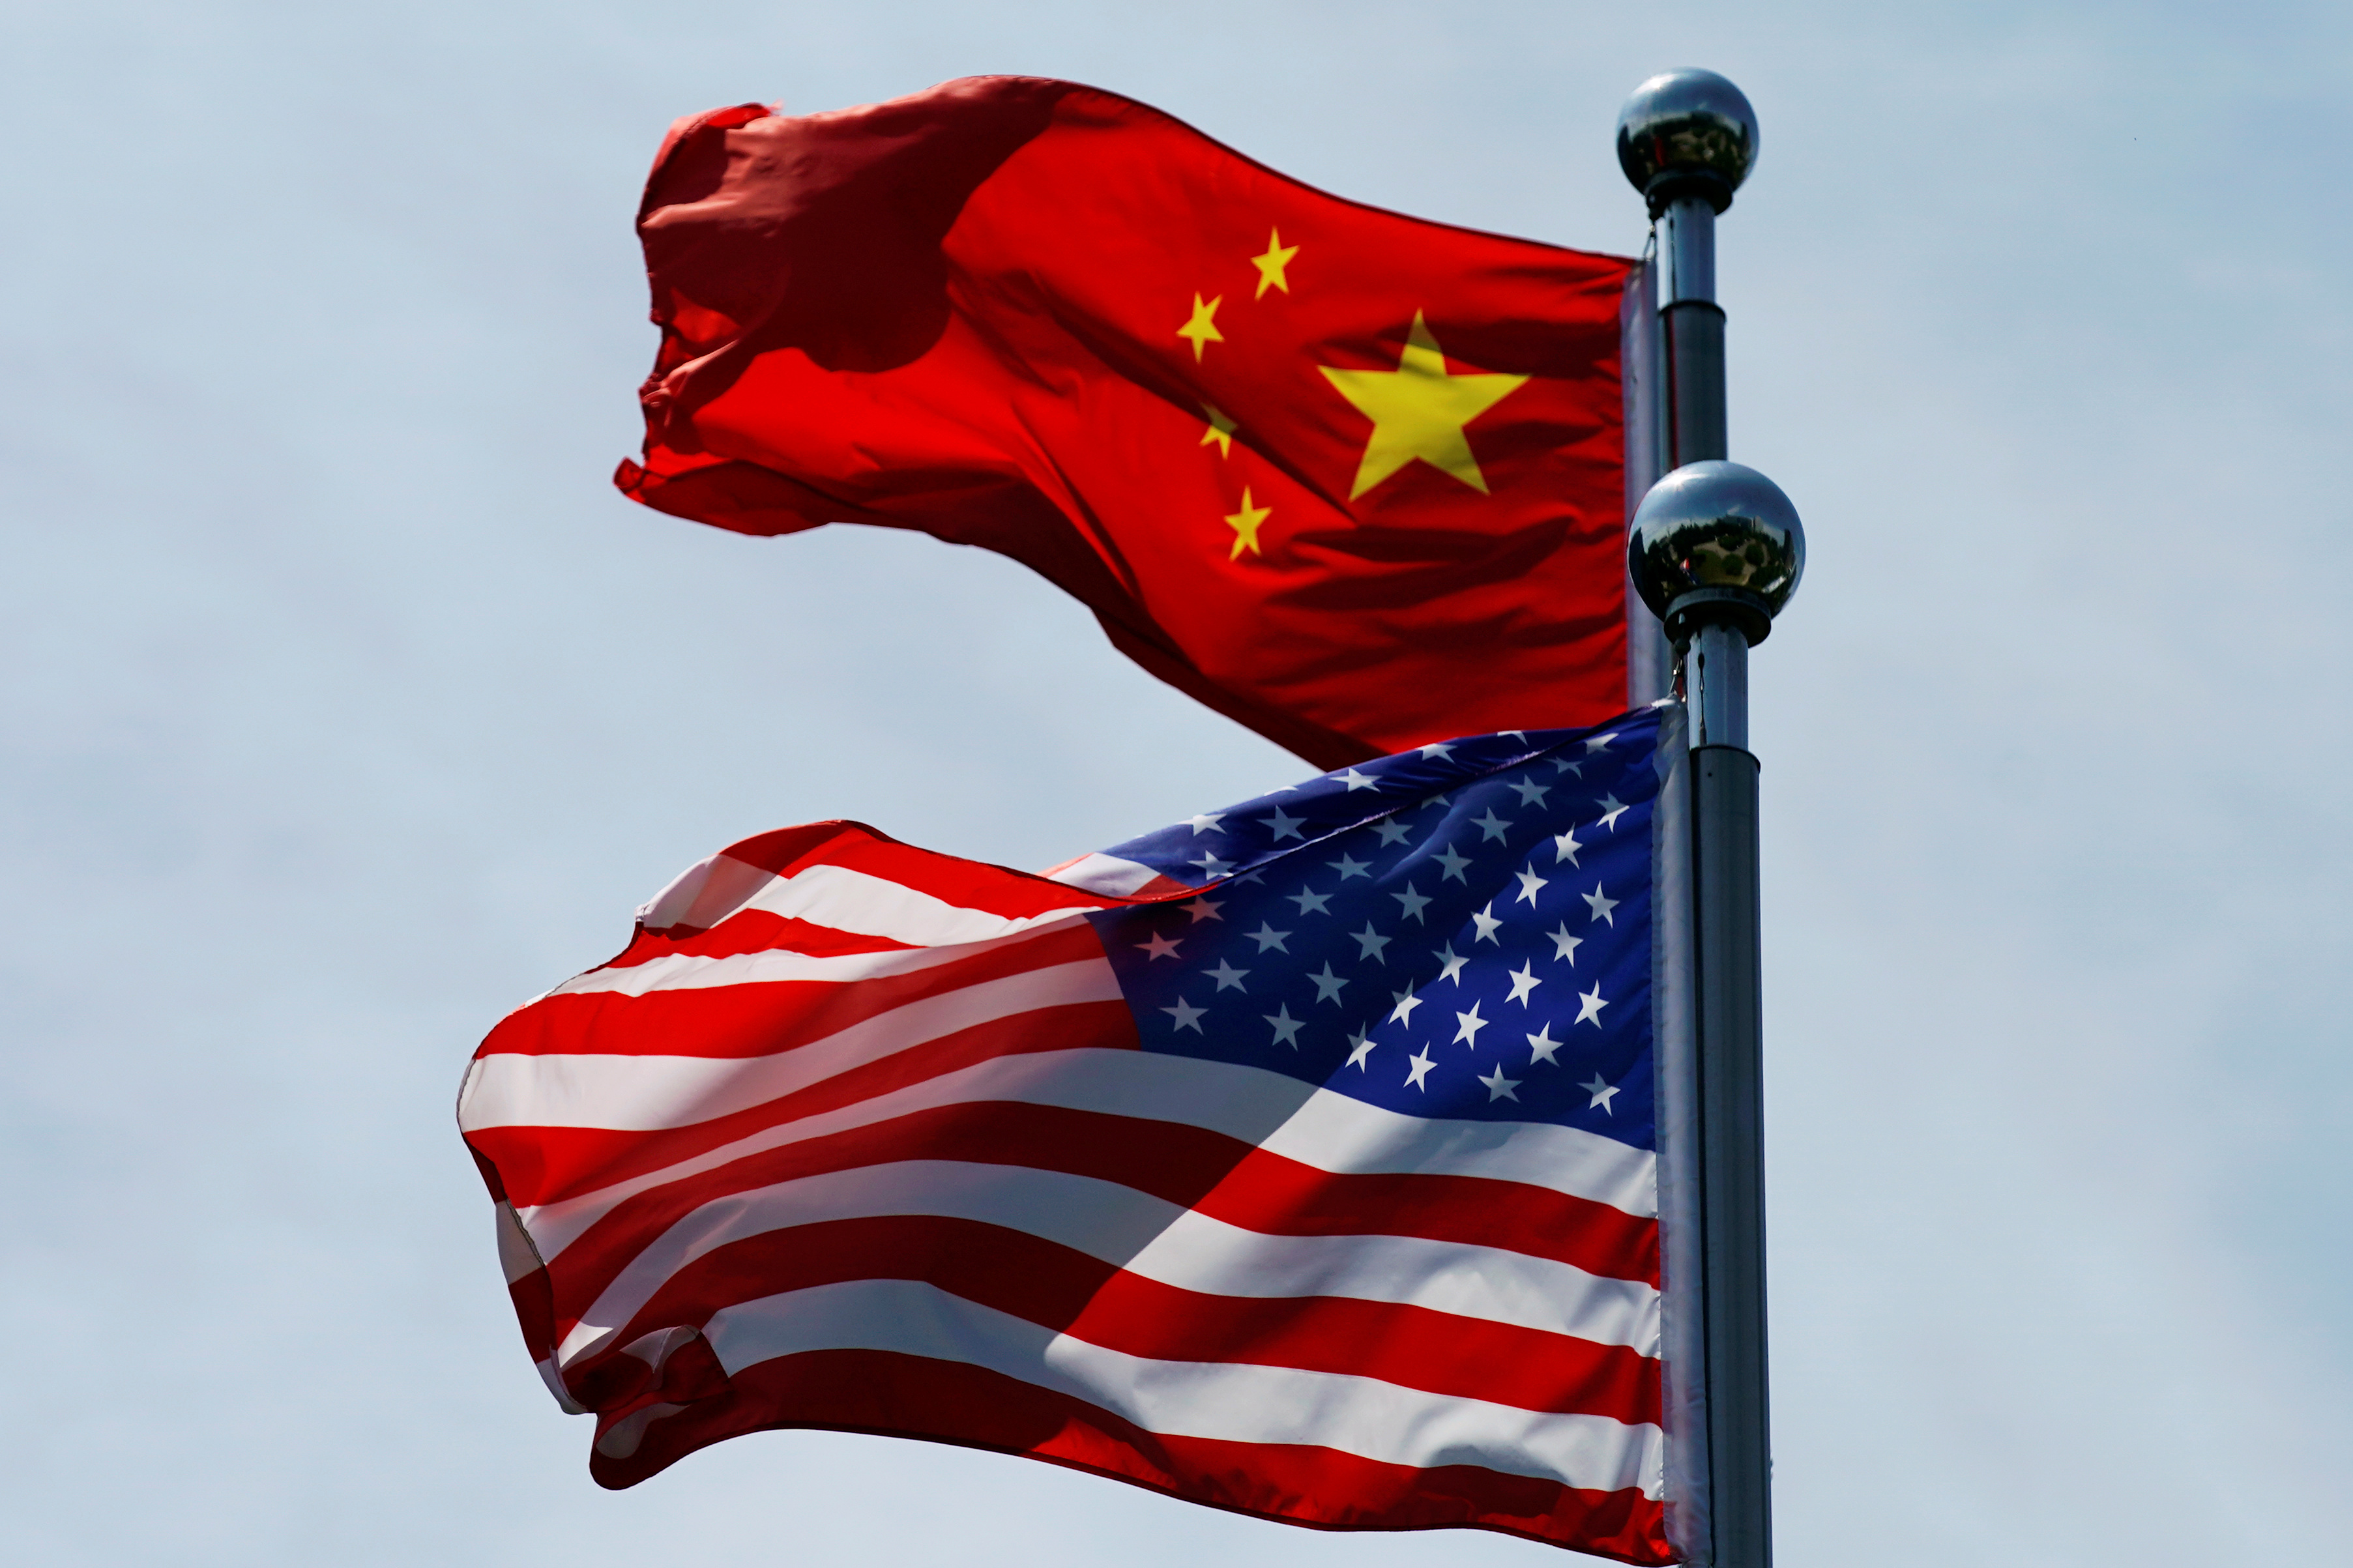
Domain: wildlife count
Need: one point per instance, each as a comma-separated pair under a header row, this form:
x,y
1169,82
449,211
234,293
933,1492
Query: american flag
x,y
1296,1158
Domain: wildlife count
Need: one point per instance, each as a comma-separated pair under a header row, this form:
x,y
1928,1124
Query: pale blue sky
x,y
342,705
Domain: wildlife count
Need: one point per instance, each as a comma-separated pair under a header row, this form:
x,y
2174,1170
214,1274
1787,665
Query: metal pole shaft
x,y
1694,332
1729,1012
1729,1008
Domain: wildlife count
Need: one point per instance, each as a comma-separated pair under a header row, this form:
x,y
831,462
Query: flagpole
x,y
1716,550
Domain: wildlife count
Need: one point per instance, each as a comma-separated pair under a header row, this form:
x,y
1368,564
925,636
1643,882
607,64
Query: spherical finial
x,y
1716,541
1686,133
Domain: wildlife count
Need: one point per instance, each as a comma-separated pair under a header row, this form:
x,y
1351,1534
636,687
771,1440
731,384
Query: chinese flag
x,y
1354,479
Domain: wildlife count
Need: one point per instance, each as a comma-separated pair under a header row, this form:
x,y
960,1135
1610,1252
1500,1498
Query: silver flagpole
x,y
1715,550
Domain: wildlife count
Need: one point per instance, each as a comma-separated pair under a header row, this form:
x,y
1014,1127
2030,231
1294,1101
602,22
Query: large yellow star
x,y
1203,328
1269,265
1245,524
1418,411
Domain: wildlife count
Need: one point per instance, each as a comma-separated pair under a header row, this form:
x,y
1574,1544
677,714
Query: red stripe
x,y
534,1312
758,1018
1192,1167
542,1164
912,1396
1061,1289
1269,1192
751,931
968,884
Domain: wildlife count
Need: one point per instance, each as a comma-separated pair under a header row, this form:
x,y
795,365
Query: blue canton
x,y
1462,931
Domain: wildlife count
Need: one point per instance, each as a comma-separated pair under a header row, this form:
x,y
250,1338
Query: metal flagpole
x,y
1715,550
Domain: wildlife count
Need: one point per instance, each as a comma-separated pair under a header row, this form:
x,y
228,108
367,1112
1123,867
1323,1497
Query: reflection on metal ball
x,y
1687,132
1716,541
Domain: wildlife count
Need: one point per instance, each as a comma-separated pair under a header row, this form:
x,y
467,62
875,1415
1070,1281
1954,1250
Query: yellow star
x,y
1203,328
1418,411
1221,430
1245,524
1269,265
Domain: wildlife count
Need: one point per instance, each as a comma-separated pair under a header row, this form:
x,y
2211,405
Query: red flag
x,y
1352,479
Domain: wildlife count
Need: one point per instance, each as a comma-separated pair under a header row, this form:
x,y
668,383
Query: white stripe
x,y
850,900
704,893
1154,1239
687,971
710,890
643,1094
517,1259
1223,1401
1298,1120
1100,873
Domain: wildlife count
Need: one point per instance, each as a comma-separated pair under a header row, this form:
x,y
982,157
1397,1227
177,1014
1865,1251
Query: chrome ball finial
x,y
1686,133
1716,541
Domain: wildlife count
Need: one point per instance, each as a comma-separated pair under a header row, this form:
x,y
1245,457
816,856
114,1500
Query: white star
x,y
1266,936
1601,904
1438,749
1405,1003
1560,766
1357,781
1600,742
1453,864
1211,867
1159,947
1531,792
1612,808
1281,824
1186,1015
1360,1046
1564,848
1544,1044
1327,984
1519,735
1602,1090
1490,825
1566,945
1349,867
1391,830
1589,1006
1488,925
1286,1027
1499,1086
1203,909
1529,883
1369,943
1310,903
1206,822
1467,1027
1229,977
1523,979
1453,969
1419,1070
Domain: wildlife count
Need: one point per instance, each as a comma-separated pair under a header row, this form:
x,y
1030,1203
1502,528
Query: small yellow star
x,y
1269,265
1221,430
1419,410
1245,524
1203,328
